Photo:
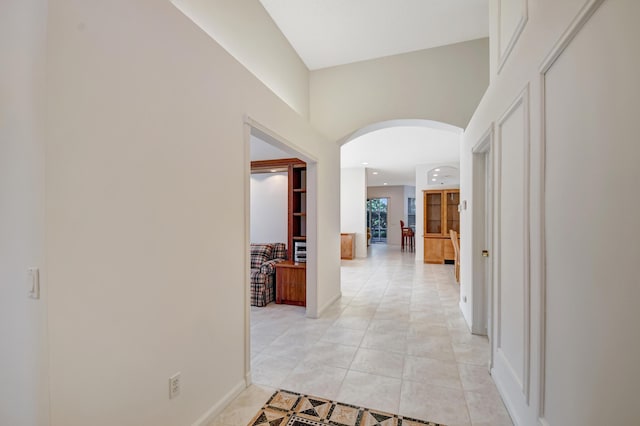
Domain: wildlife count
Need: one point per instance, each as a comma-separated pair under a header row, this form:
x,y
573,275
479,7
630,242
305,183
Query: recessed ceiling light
x,y
375,173
437,170
435,174
433,180
274,170
365,163
385,183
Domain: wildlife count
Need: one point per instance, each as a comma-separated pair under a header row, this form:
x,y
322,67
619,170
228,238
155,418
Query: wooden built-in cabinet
x,y
291,283
297,205
297,195
440,215
347,246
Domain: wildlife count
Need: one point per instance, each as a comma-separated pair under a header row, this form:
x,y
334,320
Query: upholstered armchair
x,y
264,258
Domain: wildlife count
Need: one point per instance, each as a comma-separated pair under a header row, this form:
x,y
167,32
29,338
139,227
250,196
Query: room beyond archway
x,y
392,160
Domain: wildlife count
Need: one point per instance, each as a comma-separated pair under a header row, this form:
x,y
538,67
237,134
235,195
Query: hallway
x,y
396,341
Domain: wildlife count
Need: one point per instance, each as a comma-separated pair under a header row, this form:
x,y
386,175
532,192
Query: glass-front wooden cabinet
x,y
440,215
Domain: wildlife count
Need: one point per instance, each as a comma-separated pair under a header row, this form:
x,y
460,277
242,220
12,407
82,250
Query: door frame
x,y
483,175
251,126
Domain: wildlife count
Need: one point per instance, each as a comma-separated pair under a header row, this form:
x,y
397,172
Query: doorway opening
x,y
482,167
280,181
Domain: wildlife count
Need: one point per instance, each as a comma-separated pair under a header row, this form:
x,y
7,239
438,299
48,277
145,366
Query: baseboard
x,y
217,408
326,305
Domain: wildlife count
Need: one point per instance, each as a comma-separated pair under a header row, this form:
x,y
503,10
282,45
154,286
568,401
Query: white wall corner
x,y
326,305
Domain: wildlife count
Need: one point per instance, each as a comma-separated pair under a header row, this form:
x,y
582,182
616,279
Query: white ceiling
x,y
326,33
394,153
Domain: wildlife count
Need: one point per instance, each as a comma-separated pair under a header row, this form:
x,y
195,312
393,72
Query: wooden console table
x,y
291,283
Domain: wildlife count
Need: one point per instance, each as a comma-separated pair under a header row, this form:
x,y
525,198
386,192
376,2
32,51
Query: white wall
x,y
443,84
423,184
566,185
269,207
146,210
353,206
396,209
23,355
247,32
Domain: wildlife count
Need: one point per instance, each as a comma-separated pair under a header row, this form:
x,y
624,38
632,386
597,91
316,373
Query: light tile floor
x,y
396,341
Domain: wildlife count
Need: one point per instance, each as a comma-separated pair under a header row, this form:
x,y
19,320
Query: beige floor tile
x,y
469,354
344,336
437,347
242,409
487,407
433,403
432,371
377,362
322,381
271,370
354,323
476,378
390,341
371,391
331,354
389,325
391,309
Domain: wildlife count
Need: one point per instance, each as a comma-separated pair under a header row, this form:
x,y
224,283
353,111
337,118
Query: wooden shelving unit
x,y
440,215
297,204
297,195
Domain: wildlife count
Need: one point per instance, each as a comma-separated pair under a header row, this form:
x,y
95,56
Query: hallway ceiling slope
x,y
336,32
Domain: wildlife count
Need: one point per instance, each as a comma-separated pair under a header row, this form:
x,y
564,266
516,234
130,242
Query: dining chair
x,y
456,247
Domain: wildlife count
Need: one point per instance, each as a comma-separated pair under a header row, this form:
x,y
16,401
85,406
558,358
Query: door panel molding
x,y
586,12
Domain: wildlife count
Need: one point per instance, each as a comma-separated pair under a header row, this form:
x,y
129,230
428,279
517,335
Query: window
x,y
377,219
411,213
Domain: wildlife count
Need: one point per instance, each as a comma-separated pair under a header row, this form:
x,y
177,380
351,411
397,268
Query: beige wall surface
x,y
146,212
563,185
442,84
353,206
249,34
269,207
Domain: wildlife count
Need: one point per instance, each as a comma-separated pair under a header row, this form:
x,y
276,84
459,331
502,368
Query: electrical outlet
x,y
174,385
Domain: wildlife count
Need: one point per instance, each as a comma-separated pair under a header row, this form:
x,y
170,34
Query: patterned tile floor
x,y
286,408
396,342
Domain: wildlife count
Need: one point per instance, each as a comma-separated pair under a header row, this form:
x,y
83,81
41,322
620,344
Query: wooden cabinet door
x,y
433,213
291,285
347,246
433,250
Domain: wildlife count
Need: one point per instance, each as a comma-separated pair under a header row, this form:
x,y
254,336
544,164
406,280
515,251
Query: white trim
x,y
521,100
279,141
484,147
524,17
247,243
586,12
484,143
217,408
506,399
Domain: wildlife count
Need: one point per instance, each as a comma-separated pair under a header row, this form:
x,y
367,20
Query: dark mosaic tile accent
x,y
287,408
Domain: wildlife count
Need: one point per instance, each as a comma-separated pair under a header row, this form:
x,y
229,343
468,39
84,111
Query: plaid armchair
x,y
263,271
